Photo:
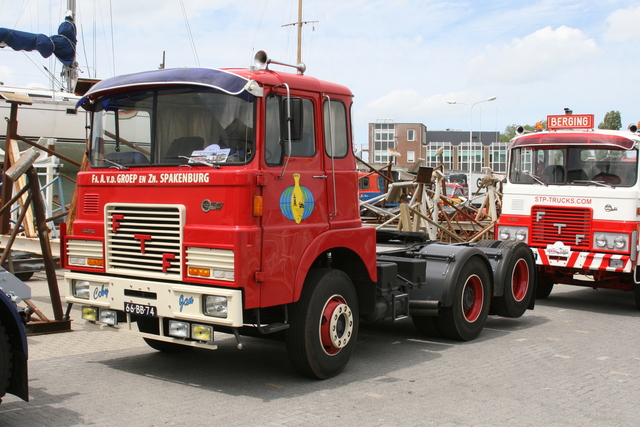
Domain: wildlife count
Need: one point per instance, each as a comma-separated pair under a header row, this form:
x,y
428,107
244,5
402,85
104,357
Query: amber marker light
x,y
202,272
257,205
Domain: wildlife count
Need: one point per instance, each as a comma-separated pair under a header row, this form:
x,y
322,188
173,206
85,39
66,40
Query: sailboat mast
x,y
300,23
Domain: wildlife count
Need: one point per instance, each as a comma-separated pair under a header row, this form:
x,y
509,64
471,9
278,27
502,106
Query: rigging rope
x,y
193,45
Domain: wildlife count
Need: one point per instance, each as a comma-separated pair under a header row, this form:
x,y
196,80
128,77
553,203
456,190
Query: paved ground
x,y
574,360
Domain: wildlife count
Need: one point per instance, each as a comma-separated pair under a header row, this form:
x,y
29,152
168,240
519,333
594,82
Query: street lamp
x,y
491,98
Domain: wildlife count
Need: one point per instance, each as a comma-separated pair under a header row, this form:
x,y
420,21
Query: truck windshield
x,y
574,166
171,126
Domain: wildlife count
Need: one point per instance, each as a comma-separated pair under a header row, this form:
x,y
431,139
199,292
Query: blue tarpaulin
x,y
62,45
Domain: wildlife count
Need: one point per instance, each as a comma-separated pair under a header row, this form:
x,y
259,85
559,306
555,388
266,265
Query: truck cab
x,y
572,195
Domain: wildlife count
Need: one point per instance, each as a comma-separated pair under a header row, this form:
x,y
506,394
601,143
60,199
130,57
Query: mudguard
x,y
444,262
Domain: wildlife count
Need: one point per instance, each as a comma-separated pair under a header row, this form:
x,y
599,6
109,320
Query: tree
x,y
510,131
611,121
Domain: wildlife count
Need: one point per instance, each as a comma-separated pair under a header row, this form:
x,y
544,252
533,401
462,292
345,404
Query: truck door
x,y
339,164
294,194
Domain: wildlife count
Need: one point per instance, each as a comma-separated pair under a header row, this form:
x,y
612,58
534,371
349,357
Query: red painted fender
x,y
361,241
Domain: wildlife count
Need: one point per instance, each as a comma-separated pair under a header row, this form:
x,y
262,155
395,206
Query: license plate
x,y
140,310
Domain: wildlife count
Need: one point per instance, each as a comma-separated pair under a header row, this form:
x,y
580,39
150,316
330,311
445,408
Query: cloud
x,y
622,25
538,56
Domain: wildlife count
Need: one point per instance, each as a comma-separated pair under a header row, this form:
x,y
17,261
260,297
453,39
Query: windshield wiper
x,y
535,177
117,165
600,183
196,160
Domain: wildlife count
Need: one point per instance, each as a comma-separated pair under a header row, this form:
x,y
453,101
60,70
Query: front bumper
x,y
585,261
170,300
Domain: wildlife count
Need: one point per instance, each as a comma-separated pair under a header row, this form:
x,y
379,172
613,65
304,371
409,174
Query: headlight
x,y
202,332
521,234
215,306
90,313
110,317
620,242
81,289
179,329
601,241
505,234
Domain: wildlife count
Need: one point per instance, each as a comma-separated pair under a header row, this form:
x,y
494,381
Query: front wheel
x,y
151,325
544,287
468,313
636,294
324,325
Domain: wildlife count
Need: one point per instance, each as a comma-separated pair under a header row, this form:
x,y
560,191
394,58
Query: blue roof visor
x,y
223,81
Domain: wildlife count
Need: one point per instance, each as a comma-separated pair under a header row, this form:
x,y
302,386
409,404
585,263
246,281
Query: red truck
x,y
226,200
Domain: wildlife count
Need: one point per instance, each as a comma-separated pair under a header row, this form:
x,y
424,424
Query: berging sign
x,y
570,121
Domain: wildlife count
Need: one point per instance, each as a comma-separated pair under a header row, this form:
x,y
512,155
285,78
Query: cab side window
x,y
335,129
276,132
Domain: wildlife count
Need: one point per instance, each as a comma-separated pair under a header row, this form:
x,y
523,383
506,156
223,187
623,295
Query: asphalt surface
x,y
574,360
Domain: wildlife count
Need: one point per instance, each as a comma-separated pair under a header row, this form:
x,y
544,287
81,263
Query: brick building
x,y
405,143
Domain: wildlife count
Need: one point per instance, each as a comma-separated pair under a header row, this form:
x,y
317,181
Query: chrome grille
x,y
552,224
144,240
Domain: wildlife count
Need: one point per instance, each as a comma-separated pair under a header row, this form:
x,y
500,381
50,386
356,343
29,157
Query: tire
x,y
488,243
5,360
427,325
636,295
152,326
519,283
324,325
24,276
468,313
544,287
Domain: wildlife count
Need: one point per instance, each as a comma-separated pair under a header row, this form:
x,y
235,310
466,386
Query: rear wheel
x,y
324,325
5,360
151,325
427,325
519,281
468,313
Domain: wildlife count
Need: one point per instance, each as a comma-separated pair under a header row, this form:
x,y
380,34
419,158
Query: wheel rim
x,y
520,280
472,298
336,325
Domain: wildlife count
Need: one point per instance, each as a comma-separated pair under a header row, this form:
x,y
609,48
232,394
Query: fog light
x,y
616,263
110,317
81,289
215,306
179,329
202,332
90,313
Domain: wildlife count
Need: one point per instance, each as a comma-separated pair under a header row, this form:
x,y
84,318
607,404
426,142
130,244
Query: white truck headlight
x,y
216,306
505,234
81,289
521,235
601,241
620,242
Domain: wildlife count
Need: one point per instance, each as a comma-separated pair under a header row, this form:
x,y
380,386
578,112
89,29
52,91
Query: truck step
x,y
274,327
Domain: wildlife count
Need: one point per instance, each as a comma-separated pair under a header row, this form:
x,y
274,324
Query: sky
x,y
402,59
